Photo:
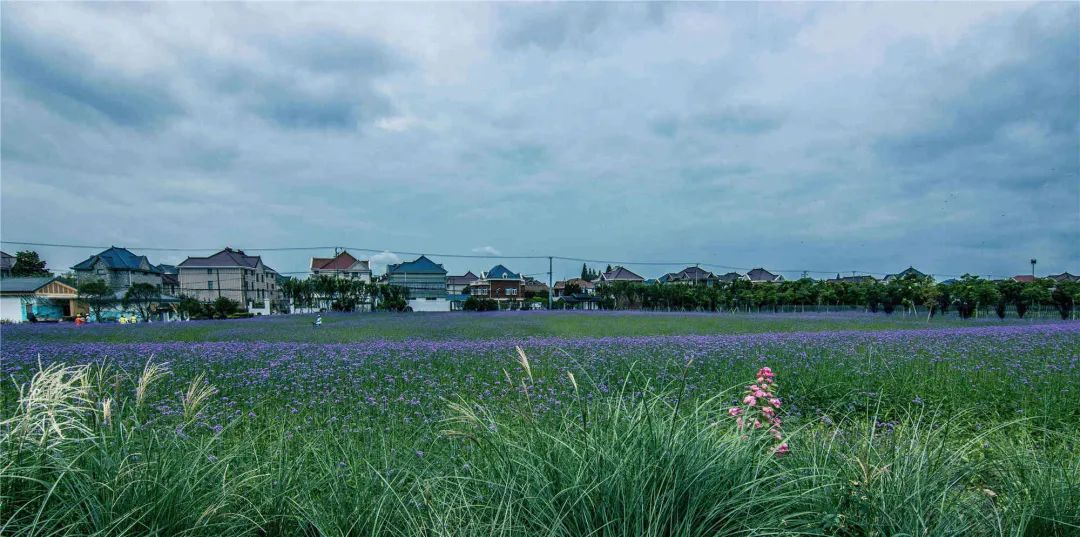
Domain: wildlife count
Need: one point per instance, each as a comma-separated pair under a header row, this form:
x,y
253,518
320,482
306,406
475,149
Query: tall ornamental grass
x,y
80,456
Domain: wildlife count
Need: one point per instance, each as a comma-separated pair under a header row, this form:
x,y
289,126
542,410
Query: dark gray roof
x,y
24,285
225,259
6,261
464,279
761,275
621,273
730,277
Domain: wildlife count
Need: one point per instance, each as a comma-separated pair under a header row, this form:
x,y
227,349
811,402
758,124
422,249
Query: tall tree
x,y
27,263
98,296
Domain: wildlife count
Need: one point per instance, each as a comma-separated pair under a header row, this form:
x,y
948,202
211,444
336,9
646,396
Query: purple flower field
x,y
1004,370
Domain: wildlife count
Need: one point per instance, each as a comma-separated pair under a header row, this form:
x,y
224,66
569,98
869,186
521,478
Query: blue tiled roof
x,y
499,272
421,265
24,285
116,259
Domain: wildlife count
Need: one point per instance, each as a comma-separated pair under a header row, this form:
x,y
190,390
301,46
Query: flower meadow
x,y
542,425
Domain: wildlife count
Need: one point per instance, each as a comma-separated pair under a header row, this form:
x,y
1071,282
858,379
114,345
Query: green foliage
x,y
475,303
98,296
222,307
27,263
141,296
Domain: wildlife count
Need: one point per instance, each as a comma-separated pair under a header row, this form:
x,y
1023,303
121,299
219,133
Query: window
x,y
511,292
209,271
210,285
101,272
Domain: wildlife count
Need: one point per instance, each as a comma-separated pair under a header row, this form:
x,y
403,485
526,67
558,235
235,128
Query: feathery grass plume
x,y
524,361
106,411
151,372
53,407
199,391
573,382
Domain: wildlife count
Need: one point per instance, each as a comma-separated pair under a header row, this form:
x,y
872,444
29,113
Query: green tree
x,y
224,306
141,296
97,296
1065,296
27,263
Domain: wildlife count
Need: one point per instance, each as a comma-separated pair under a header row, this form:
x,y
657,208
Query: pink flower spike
x,y
757,424
767,411
774,402
734,411
782,450
749,400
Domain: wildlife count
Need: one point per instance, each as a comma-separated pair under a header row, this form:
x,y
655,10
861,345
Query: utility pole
x,y
550,284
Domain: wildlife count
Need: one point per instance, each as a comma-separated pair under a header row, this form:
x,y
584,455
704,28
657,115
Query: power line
x,y
460,256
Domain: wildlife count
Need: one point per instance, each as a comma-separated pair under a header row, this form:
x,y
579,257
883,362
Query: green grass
x,y
892,432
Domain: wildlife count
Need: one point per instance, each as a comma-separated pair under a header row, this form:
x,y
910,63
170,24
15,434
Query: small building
x,y
1023,278
232,274
119,268
760,275
42,298
7,262
584,287
425,281
533,287
342,265
620,274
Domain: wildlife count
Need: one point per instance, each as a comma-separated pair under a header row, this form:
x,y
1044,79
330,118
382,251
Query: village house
x,y
576,294
342,265
910,271
43,298
731,277
760,275
425,281
690,276
7,262
1064,277
852,279
119,268
500,284
170,280
620,274
232,274
456,287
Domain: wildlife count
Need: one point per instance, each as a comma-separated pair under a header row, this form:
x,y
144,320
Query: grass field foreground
x,y
891,426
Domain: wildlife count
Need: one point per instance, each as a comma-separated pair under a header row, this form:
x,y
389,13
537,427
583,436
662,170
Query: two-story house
x,y
455,289
760,275
232,274
500,284
425,281
342,265
690,276
119,268
620,274
7,262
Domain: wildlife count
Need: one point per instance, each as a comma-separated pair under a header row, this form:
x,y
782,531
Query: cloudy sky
x,y
831,137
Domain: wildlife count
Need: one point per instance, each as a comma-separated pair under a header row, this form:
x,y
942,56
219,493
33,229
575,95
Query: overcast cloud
x,y
830,137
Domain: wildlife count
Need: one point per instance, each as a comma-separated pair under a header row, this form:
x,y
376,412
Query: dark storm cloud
x,y
1034,93
67,81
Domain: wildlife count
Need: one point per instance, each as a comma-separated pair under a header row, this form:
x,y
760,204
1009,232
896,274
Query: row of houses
x,y
247,280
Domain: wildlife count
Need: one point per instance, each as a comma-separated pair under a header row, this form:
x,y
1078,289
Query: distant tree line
x,y
969,296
